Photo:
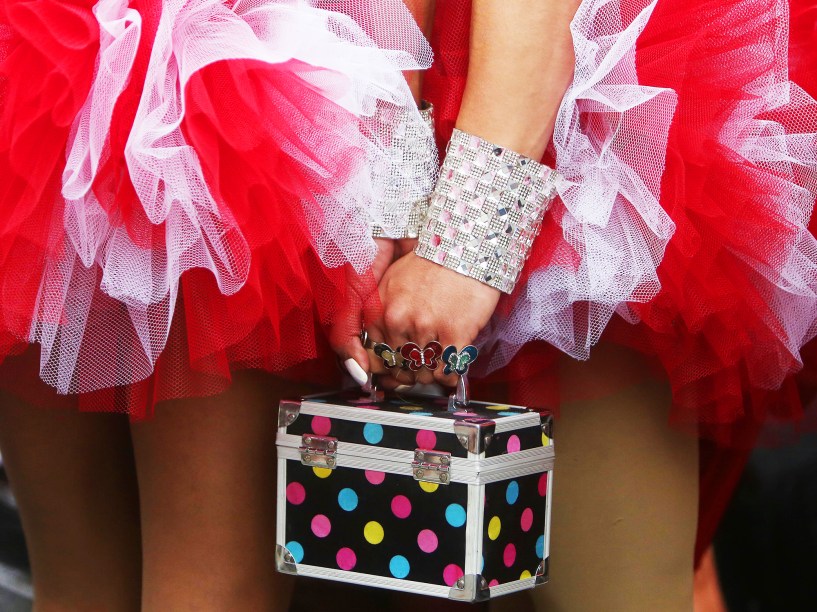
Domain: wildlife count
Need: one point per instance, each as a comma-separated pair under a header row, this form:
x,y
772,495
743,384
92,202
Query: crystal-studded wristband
x,y
414,151
485,211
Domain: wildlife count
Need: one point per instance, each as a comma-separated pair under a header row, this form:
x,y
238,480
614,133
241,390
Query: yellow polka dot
x,y
373,532
322,472
429,487
545,440
412,408
497,407
524,575
494,526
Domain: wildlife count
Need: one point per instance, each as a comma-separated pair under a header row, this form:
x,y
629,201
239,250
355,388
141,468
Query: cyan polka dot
x,y
399,566
296,550
540,546
347,499
507,413
422,413
455,515
373,433
512,492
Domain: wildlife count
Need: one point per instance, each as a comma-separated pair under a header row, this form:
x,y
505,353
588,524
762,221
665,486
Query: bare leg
x,y
73,478
206,472
625,500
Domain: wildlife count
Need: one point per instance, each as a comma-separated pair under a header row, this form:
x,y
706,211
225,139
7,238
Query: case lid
x,y
416,436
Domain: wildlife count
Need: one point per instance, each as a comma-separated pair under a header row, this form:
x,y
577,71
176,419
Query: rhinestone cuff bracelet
x,y
414,152
485,211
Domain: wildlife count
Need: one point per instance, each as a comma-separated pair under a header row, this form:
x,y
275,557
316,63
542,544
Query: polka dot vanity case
x,y
417,494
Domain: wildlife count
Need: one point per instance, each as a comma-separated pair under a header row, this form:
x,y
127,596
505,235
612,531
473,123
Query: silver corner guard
x,y
288,411
471,588
284,561
475,434
543,572
546,420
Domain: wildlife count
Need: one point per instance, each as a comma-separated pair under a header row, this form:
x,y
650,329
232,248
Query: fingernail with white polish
x,y
356,372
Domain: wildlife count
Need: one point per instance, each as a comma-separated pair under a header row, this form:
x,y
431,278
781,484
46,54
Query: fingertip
x,y
360,355
356,371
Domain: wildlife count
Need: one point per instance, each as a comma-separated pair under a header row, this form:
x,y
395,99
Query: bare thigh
x,y
625,501
72,475
206,470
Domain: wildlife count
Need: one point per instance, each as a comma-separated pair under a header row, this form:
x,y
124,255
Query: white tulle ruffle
x,y
360,69
614,229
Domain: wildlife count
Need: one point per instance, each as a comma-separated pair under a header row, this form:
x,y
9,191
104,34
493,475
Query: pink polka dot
x,y
296,494
321,525
321,425
463,414
509,555
526,522
427,540
401,506
514,445
543,484
346,558
452,573
426,439
374,477
369,407
493,583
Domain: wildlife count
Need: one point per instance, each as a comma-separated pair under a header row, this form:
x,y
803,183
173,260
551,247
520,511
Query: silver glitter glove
x,y
485,211
414,150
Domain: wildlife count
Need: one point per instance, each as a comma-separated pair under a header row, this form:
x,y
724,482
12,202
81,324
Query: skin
x,y
175,513
178,513
623,547
533,37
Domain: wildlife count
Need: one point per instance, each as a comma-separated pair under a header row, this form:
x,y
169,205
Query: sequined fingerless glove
x,y
485,211
414,150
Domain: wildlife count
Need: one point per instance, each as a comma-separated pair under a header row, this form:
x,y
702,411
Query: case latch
x,y
319,451
432,466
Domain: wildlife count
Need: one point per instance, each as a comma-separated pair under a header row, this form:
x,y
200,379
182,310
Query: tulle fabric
x,y
688,159
200,156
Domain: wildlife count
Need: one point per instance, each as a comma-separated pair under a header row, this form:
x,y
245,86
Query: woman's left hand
x,y
423,301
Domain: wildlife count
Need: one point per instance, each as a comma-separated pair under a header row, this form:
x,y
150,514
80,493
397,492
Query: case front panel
x,y
375,523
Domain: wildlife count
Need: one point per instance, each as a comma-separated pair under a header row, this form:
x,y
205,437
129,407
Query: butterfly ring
x,y
392,358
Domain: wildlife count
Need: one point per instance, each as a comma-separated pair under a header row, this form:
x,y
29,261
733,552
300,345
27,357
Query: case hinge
x,y
319,451
431,466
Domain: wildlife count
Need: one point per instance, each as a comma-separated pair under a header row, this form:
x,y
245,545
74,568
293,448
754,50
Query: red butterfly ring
x,y
417,358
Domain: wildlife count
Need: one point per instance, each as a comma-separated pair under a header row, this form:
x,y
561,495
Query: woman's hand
x,y
344,334
423,302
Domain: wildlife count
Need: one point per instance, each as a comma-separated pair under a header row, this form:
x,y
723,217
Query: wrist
x,y
485,212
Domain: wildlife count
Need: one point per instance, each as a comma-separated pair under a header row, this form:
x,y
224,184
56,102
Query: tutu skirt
x,y
187,189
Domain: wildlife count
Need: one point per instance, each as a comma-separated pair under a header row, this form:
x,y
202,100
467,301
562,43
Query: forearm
x,y
521,63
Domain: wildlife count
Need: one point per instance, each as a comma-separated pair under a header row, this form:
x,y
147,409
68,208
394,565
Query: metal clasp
x,y
319,451
431,466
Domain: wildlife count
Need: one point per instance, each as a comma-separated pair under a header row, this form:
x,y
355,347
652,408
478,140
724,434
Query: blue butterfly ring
x,y
458,362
